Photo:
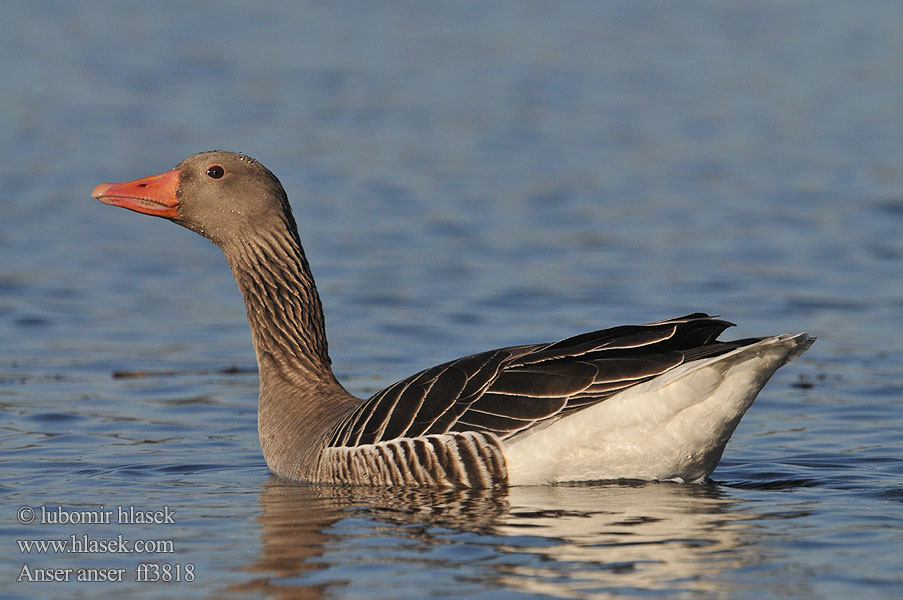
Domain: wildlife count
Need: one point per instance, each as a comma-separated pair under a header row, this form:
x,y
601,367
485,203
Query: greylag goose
x,y
653,402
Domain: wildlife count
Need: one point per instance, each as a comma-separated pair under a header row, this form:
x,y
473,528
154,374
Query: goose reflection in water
x,y
584,541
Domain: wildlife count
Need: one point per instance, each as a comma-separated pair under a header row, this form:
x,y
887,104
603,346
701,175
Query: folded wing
x,y
508,391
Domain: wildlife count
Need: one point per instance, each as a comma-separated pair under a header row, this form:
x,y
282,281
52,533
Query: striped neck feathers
x,y
284,308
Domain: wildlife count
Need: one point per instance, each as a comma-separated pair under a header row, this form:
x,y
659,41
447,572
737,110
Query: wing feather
x,y
628,337
526,408
546,380
500,424
509,390
419,400
367,424
617,370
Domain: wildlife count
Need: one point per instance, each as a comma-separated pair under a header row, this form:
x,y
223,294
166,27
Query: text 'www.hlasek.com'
x,y
90,540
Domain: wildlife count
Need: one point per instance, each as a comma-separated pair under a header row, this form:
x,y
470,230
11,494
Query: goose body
x,y
657,401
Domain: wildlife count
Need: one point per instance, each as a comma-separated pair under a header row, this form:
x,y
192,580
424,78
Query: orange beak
x,y
154,195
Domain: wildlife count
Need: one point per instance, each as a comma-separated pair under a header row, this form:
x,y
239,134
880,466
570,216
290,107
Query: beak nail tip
x,y
100,189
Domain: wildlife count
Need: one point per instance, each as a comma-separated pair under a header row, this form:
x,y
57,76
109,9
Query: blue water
x,y
464,177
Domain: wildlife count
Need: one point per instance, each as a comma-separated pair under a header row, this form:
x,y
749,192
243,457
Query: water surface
x,y
464,177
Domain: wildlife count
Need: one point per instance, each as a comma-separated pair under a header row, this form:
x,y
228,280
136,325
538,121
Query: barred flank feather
x,y
466,459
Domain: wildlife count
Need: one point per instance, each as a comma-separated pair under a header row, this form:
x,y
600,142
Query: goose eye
x,y
215,171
